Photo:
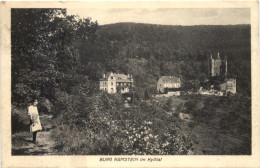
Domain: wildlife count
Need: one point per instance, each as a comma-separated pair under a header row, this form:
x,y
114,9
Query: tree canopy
x,y
43,53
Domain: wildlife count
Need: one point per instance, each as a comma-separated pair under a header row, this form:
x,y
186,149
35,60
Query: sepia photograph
x,y
134,81
174,86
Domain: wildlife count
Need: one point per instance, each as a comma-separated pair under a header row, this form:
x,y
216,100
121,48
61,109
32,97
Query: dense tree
x,y
44,56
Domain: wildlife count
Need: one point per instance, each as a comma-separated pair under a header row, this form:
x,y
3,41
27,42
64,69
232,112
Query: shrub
x,y
19,119
168,105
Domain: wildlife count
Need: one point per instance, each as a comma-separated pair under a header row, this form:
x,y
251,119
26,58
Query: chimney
x,y
218,55
104,75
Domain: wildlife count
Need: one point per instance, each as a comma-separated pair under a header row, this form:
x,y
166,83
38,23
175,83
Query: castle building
x,y
168,83
115,82
217,67
228,86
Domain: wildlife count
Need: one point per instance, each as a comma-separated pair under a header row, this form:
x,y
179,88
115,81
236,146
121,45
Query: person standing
x,y
35,120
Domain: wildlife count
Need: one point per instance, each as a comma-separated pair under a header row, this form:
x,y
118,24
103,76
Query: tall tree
x,y
44,55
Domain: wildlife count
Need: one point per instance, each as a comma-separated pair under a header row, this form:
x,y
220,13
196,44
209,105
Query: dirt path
x,y
22,142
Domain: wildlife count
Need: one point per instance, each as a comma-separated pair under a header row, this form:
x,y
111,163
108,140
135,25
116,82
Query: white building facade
x,y
169,83
115,82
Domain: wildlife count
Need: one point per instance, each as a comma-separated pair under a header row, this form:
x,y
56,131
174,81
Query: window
x,y
105,83
112,90
111,77
105,89
111,83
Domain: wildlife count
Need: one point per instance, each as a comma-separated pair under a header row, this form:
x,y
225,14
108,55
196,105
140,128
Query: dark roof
x,y
170,79
106,76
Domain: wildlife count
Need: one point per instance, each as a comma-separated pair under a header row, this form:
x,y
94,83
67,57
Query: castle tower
x,y
212,66
217,66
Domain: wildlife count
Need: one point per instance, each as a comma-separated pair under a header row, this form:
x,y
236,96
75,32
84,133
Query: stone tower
x,y
217,66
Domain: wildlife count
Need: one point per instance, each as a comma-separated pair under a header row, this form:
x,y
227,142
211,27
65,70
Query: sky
x,y
166,16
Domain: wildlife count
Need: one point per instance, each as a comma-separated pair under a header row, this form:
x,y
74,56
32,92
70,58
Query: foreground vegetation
x,y
218,125
100,124
94,126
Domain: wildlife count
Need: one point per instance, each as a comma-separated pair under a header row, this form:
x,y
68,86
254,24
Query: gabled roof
x,y
122,77
106,76
170,79
119,77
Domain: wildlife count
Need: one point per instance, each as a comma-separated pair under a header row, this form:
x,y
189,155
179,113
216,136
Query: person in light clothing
x,y
35,120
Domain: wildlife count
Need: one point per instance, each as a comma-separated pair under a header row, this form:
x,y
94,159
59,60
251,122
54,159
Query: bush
x,y
168,105
19,119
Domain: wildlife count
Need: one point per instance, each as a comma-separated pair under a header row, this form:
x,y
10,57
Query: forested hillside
x,y
150,51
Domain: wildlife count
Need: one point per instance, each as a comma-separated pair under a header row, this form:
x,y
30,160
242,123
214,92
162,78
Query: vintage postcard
x,y
130,84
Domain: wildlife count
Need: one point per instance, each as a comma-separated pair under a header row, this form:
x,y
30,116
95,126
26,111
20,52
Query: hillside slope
x,y
157,50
